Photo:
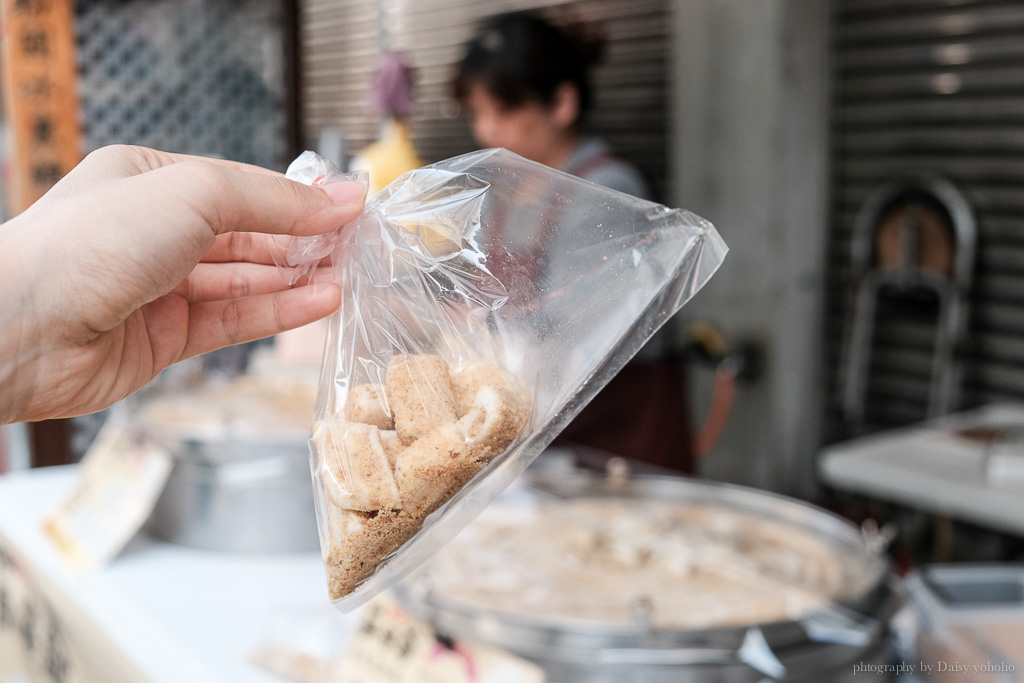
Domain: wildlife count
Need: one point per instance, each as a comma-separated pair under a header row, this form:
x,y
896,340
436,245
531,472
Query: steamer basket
x,y
819,645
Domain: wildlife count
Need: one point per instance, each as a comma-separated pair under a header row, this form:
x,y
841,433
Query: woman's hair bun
x,y
589,38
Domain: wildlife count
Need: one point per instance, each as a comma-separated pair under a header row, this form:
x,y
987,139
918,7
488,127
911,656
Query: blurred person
x,y
525,85
137,259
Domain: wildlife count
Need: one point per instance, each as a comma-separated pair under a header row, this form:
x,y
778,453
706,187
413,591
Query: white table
x,y
169,613
930,468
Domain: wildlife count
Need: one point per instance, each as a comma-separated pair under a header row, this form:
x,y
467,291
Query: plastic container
x,y
971,622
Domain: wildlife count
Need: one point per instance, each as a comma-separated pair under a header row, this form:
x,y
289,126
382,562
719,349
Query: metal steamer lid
x,y
253,419
856,621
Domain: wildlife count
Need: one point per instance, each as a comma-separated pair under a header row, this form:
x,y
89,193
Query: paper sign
x,y
45,638
33,639
390,646
119,482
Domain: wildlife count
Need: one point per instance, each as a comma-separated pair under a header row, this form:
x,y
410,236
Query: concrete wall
x,y
749,152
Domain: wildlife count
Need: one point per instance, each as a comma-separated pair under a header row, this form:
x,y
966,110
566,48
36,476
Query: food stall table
x,y
938,467
158,612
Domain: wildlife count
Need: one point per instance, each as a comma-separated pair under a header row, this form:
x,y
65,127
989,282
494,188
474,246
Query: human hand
x,y
138,259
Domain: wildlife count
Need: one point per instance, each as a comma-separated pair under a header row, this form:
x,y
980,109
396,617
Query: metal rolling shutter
x,y
341,39
930,85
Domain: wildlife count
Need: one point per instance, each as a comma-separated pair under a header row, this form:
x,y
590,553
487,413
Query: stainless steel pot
x,y
241,478
250,495
818,646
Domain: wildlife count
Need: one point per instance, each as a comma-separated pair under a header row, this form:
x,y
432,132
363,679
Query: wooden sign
x,y
40,96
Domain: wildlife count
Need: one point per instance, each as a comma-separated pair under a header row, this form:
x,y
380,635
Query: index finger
x,y
247,247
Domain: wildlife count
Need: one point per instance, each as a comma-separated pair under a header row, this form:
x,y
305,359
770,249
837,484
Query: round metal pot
x,y
817,646
238,494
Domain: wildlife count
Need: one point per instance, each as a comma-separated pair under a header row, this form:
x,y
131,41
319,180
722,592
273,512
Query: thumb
x,y
233,199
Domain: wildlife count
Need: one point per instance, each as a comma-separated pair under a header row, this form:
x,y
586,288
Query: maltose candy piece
x,y
359,541
392,446
437,466
354,466
480,373
497,417
368,403
420,392
434,468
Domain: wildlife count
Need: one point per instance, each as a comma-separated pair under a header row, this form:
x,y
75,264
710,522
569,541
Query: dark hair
x,y
519,57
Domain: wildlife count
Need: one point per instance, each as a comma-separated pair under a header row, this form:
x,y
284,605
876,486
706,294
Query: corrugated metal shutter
x,y
341,39
933,86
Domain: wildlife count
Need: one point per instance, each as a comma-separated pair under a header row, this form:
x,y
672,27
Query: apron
x,y
642,414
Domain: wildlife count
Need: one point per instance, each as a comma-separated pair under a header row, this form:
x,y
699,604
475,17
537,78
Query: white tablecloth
x,y
929,467
171,613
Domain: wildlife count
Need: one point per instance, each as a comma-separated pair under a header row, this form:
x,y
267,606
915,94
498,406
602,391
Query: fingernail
x,y
345,192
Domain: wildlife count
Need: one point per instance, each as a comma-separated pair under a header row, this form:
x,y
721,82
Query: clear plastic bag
x,y
485,300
